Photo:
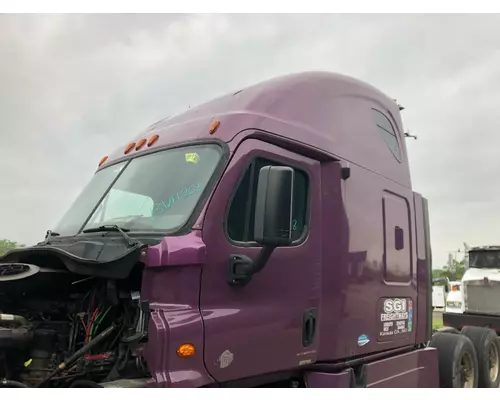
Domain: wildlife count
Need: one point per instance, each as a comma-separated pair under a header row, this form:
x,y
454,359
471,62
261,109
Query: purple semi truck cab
x,y
270,237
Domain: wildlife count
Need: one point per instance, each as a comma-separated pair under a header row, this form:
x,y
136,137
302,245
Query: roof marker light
x,y
140,143
214,126
129,147
103,160
152,140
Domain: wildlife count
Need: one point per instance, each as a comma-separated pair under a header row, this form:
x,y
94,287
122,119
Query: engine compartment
x,y
61,329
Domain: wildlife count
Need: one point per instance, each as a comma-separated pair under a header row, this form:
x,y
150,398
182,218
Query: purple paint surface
x,y
319,123
177,250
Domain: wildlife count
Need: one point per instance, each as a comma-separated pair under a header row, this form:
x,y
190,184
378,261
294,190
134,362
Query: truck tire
x,y
457,358
487,347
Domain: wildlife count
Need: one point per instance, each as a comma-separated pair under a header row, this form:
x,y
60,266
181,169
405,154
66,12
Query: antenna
x,y
401,108
408,135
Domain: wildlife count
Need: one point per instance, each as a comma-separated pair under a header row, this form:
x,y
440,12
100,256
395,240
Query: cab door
x,y
269,324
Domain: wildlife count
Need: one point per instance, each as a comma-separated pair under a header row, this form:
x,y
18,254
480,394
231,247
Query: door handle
x,y
309,327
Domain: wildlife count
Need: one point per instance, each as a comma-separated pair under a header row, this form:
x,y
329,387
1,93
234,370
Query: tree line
x,y
454,272
6,245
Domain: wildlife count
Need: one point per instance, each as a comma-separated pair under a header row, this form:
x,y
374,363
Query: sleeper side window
x,y
240,220
387,132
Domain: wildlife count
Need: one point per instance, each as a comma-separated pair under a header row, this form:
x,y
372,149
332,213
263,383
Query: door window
x,y
240,219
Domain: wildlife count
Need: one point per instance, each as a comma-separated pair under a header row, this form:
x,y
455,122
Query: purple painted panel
x,y
335,231
177,250
171,282
358,268
259,326
328,380
398,262
418,369
423,271
329,112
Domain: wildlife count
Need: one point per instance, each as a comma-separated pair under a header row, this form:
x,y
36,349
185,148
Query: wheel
x,y
457,358
487,347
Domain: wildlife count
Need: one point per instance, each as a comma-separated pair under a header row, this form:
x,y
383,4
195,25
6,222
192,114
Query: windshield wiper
x,y
49,235
113,228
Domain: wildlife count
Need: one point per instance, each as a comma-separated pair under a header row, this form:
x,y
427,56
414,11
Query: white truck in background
x,y
439,296
447,296
440,290
480,291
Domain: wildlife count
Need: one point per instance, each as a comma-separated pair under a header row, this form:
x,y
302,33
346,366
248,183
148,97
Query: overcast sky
x,y
73,87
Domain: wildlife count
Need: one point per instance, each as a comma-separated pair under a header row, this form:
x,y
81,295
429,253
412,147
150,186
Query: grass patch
x,y
437,322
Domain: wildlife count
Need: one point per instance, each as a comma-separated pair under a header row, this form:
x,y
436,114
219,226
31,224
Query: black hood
x,y
105,257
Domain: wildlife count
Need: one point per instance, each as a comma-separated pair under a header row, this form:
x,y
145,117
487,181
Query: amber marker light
x,y
140,143
186,350
152,140
129,147
214,126
103,160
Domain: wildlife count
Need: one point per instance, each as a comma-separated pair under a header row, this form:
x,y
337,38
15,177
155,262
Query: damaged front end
x,y
76,308
71,321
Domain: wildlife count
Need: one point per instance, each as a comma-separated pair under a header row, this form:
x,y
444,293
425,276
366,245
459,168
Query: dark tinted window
x,y
240,223
387,132
484,259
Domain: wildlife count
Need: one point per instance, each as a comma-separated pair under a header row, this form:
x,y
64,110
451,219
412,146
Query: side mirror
x,y
273,206
272,223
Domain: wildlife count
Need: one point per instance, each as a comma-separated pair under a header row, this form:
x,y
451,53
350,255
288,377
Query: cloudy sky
x,y
72,87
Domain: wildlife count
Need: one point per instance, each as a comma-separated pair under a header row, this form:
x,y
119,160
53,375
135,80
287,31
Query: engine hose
x,y
12,384
76,356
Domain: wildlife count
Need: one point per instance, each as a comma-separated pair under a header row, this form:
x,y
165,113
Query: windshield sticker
x,y
160,207
294,225
192,158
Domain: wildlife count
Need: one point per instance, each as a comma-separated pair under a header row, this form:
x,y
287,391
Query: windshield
x,y
484,259
155,192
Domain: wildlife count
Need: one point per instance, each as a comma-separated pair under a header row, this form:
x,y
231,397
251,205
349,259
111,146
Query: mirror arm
x,y
242,268
261,260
